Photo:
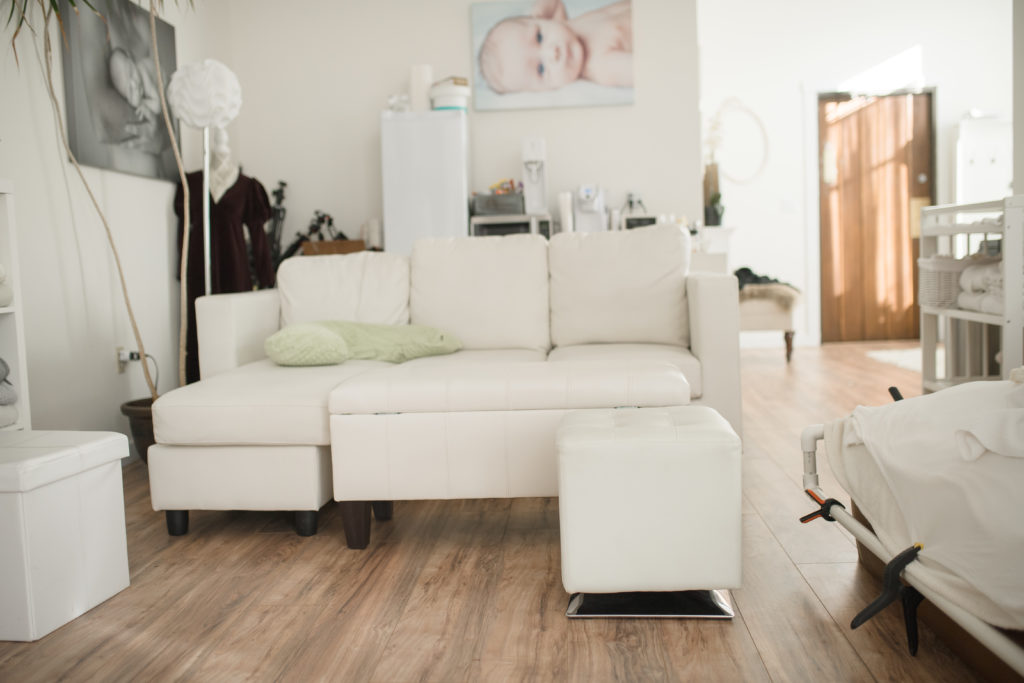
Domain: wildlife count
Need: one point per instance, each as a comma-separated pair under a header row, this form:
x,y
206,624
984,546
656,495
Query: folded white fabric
x,y
985,302
954,464
981,277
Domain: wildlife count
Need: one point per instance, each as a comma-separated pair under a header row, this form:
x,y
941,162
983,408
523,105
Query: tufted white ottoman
x,y
649,506
63,548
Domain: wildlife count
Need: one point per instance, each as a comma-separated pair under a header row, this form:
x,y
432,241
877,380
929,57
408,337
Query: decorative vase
x,y
713,215
140,421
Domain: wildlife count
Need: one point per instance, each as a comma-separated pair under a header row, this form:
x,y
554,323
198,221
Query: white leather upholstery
x,y
239,477
480,422
258,403
510,386
715,341
367,287
676,356
490,292
621,286
414,456
231,328
430,432
649,500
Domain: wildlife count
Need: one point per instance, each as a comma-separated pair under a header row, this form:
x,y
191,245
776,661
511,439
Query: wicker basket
x,y
939,280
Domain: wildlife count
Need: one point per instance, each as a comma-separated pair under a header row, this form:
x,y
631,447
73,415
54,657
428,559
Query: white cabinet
x,y
425,176
973,339
12,335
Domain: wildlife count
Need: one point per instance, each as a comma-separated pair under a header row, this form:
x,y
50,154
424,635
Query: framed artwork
x,y
110,86
551,53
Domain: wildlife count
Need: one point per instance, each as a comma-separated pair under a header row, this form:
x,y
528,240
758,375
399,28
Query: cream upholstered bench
x,y
649,502
769,307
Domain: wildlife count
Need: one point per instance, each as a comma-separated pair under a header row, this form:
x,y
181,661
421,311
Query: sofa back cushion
x,y
490,292
620,287
365,287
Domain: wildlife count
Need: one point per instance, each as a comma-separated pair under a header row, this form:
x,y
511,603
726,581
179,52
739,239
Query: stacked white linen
x,y
8,397
981,287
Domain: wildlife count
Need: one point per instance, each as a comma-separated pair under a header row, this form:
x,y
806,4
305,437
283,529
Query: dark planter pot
x,y
140,421
713,215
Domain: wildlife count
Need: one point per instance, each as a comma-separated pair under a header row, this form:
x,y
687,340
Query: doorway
x,y
876,171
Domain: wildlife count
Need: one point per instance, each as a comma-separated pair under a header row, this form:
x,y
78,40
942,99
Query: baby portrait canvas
x,y
552,53
110,87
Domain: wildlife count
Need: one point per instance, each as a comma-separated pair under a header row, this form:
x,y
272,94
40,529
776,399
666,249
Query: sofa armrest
x,y
714,309
233,327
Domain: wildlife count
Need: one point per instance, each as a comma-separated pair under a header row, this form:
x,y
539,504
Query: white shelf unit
x,y
12,327
972,337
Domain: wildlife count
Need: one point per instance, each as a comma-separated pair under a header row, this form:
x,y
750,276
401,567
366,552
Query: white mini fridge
x,y
425,183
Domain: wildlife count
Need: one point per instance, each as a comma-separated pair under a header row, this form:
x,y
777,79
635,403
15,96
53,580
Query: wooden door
x,y
875,158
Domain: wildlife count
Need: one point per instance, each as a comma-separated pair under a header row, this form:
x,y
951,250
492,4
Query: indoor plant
x,y
37,18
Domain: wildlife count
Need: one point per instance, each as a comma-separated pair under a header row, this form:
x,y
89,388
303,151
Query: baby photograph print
x,y
110,86
551,53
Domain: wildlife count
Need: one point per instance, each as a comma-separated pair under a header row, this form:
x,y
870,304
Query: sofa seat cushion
x,y
620,286
490,292
471,386
677,356
256,404
474,356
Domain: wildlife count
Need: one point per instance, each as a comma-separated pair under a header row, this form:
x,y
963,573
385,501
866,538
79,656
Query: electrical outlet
x,y
122,359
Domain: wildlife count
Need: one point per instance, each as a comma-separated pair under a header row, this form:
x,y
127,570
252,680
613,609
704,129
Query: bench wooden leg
x,y
355,517
789,345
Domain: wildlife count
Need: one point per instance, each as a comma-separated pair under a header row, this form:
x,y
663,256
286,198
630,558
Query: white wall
x,y
315,79
1018,99
74,314
777,61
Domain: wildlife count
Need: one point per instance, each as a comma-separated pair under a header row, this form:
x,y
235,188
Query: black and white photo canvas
x,y
551,53
110,85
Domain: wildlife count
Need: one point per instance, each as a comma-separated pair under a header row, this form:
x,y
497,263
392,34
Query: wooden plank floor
x,y
471,590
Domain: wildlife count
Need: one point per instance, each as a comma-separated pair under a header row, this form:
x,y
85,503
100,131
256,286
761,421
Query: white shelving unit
x,y
12,329
971,337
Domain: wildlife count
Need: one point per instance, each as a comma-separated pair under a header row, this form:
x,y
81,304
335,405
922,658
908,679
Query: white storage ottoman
x,y
63,547
649,500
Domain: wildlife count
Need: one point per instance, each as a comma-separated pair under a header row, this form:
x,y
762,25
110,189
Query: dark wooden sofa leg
x,y
305,522
355,517
789,345
383,510
177,522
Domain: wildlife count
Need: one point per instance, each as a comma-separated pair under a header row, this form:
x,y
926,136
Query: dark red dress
x,y
244,204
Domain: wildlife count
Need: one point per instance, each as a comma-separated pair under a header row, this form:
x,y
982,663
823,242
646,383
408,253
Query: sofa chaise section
x,y
252,435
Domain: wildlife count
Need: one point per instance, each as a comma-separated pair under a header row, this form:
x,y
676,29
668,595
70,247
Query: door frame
x,y
812,198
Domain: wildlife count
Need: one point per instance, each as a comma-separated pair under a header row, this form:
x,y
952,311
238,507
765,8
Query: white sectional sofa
x,y
587,321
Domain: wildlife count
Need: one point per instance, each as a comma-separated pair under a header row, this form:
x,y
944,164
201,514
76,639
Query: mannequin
x,y
223,172
238,211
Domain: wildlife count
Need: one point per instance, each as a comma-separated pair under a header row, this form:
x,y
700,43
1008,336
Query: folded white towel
x,y
985,302
981,277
